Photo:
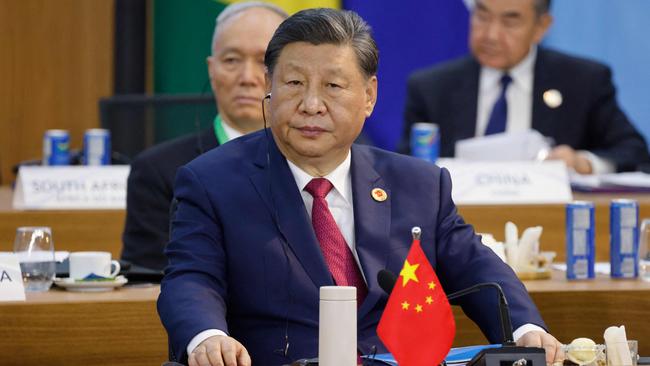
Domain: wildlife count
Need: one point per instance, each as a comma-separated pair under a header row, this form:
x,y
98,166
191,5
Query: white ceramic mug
x,y
83,264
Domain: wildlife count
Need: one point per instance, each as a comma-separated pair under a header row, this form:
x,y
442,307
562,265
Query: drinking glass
x,y
35,250
633,346
644,250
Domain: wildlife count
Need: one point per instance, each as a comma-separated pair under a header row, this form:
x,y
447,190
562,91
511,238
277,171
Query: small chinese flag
x,y
417,325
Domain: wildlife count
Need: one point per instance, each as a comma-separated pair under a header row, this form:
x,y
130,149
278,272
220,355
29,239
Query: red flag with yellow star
x,y
417,325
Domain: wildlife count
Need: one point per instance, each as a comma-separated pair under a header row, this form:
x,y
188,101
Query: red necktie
x,y
338,255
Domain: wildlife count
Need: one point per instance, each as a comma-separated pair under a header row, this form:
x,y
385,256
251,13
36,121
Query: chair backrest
x,y
138,121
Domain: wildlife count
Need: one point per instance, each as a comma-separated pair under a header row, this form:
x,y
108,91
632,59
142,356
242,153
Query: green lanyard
x,y
219,131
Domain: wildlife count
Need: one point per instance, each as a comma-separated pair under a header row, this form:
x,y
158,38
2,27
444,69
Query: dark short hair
x,y
542,6
326,26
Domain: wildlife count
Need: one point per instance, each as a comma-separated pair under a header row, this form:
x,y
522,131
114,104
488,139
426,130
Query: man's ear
x,y
267,81
544,22
210,63
371,94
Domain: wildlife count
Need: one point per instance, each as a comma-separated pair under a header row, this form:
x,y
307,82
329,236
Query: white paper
x,y
614,180
11,280
71,187
528,145
59,256
599,267
517,182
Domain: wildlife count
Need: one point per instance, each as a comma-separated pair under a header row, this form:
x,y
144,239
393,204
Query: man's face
x,y
320,100
236,67
502,31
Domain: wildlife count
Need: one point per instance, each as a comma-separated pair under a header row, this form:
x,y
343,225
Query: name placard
x,y
520,182
71,187
11,279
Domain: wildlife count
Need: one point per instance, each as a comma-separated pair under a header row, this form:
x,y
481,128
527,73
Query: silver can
x,y
580,244
97,147
624,238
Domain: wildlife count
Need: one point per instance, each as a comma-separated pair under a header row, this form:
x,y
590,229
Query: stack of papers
x,y
526,146
619,182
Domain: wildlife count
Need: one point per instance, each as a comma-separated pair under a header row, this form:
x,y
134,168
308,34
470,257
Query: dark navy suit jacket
x,y
244,257
588,119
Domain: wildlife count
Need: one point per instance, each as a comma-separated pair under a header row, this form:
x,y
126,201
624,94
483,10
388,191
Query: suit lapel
x,y
371,223
465,99
277,188
542,114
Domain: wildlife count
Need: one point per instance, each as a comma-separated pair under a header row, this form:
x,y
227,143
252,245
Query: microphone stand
x,y
509,353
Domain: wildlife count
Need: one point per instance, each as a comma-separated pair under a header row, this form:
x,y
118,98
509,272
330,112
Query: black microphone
x,y
387,279
509,354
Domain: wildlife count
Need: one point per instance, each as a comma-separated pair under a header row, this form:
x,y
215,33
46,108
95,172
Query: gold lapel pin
x,y
552,98
379,195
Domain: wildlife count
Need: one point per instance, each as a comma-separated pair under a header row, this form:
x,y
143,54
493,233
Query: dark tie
x,y
499,116
336,252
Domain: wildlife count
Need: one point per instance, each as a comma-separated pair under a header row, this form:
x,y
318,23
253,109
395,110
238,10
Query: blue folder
x,y
455,355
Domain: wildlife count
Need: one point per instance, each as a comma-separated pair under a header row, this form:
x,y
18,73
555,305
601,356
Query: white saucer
x,y
90,286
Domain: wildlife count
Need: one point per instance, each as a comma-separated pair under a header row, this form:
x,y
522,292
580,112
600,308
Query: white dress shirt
x,y
339,201
520,104
231,133
519,95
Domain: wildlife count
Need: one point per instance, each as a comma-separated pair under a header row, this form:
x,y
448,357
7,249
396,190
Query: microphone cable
x,y
276,220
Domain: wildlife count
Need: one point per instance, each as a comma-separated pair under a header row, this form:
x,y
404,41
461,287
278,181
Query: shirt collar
x,y
522,73
339,177
231,133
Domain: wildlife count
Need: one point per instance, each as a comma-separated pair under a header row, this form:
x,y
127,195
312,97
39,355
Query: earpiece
x,y
268,96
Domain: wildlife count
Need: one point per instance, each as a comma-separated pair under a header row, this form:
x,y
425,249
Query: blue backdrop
x,y
410,35
616,33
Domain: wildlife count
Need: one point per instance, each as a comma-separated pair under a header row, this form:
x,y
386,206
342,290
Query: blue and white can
x,y
425,141
624,238
56,147
580,244
97,147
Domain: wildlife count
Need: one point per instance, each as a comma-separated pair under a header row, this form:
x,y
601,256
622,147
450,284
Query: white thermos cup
x,y
337,330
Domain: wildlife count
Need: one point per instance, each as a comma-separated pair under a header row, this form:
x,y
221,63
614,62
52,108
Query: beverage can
x,y
580,244
425,141
56,147
624,238
97,147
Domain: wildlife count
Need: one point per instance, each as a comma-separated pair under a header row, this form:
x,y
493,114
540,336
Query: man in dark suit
x,y
236,69
304,207
569,99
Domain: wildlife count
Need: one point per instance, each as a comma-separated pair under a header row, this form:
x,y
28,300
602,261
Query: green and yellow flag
x,y
292,6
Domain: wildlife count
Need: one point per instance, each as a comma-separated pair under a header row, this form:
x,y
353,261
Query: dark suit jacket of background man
x,y
588,119
150,192
244,257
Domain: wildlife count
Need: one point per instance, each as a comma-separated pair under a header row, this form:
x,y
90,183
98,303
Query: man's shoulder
x,y
185,148
554,59
166,157
390,162
234,153
445,71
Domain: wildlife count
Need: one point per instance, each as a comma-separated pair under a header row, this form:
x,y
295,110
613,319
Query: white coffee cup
x,y
83,264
